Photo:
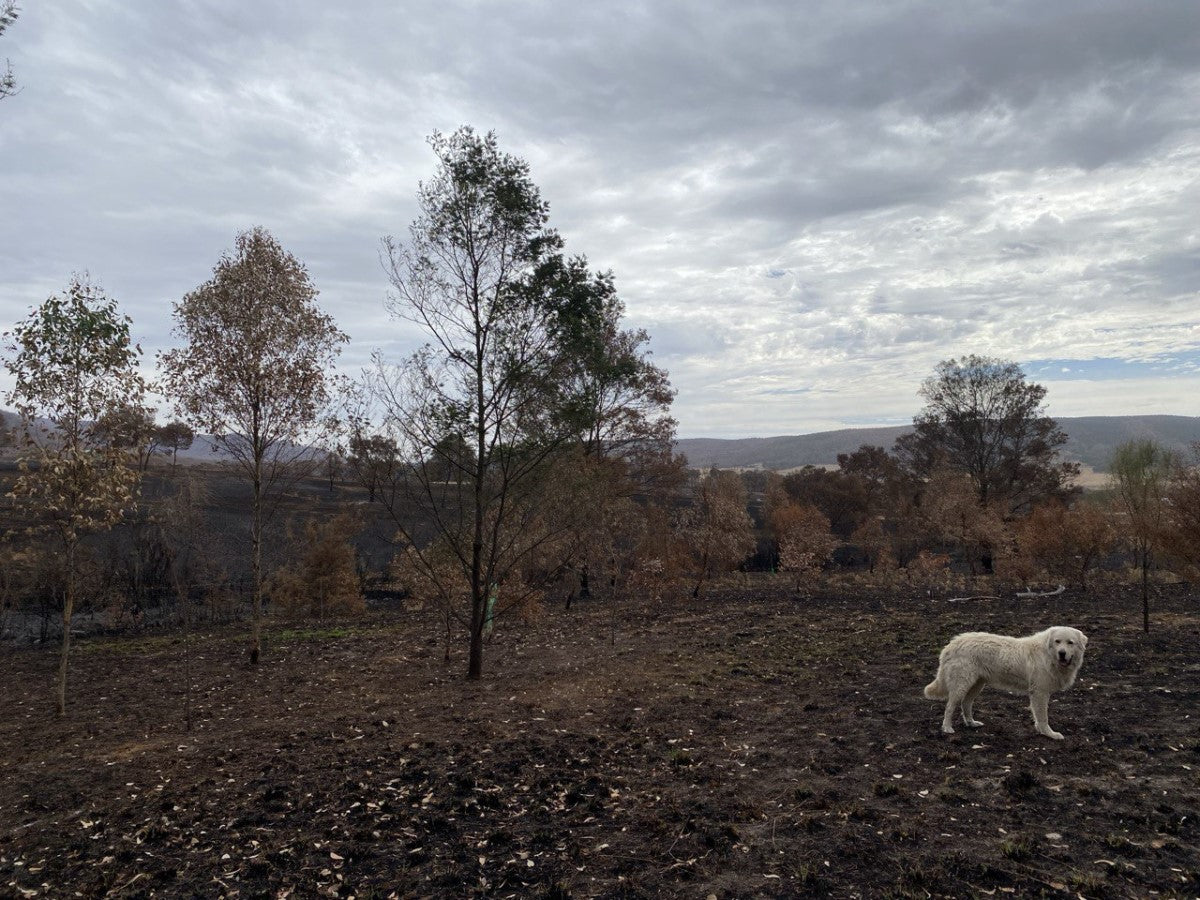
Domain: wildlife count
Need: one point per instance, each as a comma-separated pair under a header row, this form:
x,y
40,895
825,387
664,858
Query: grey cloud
x,y
1021,249
926,178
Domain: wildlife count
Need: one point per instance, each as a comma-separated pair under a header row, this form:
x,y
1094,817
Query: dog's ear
x,y
1083,640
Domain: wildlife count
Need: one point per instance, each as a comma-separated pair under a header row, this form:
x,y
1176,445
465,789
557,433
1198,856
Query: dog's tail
x,y
935,690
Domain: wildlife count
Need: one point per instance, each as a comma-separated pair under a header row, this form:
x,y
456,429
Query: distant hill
x,y
203,449
816,449
1091,440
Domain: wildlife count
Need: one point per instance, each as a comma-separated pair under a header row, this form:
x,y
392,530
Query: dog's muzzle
x,y
1065,659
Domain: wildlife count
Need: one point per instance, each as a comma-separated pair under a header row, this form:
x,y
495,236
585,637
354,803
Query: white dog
x,y
1036,665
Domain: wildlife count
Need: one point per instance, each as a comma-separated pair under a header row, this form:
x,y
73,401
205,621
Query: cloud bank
x,y
806,205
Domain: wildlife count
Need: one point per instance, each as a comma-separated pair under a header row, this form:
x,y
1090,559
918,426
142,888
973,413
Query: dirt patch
x,y
750,744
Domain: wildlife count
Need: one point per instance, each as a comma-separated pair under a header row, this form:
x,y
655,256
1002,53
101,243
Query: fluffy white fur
x,y
1037,665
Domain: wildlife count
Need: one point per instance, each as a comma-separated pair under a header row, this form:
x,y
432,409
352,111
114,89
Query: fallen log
x,y
1054,593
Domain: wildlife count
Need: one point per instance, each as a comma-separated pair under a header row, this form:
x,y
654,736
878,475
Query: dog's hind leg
x,y
1040,704
948,716
968,702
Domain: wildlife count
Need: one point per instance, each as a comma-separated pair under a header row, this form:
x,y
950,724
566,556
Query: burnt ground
x,y
749,744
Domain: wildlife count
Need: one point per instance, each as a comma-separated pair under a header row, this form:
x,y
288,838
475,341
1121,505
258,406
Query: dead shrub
x,y
1063,544
929,570
717,529
324,581
875,543
1181,530
806,543
660,558
955,516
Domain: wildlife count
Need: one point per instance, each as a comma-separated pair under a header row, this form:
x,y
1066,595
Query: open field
x,y
750,744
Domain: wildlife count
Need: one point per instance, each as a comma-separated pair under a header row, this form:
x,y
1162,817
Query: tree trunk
x,y
68,610
181,597
1146,591
703,575
475,662
256,565
479,589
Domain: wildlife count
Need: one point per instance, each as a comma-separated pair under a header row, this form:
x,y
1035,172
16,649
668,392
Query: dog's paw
x,y
973,723
946,729
1053,735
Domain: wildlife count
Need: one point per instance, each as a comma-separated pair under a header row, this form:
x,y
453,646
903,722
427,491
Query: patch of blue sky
x,y
1108,368
879,421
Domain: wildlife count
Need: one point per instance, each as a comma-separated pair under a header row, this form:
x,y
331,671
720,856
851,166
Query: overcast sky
x,y
806,204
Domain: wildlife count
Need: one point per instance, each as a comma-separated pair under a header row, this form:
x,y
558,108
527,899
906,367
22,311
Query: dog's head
x,y
1066,646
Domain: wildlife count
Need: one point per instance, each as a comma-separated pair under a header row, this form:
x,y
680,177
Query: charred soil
x,y
747,744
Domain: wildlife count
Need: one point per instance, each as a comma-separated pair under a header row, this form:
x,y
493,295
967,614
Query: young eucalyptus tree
x,y
472,413
75,367
524,374
254,372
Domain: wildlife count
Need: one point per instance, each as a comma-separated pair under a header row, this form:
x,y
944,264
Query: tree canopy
x,y
612,396
982,418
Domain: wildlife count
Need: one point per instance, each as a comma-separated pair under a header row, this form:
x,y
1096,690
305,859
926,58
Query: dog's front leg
x,y
1040,704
